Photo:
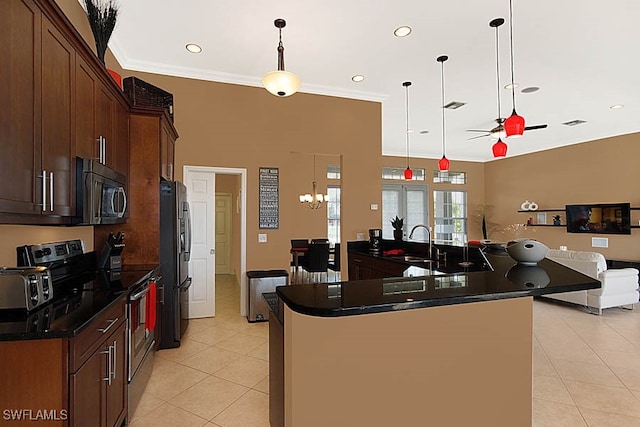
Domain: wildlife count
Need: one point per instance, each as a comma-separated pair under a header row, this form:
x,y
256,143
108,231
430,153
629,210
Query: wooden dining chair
x,y
297,244
317,259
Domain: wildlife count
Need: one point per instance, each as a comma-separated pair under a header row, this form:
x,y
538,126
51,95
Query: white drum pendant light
x,y
281,83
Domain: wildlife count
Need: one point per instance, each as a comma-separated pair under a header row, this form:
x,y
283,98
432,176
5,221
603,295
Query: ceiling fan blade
x,y
478,130
479,136
535,127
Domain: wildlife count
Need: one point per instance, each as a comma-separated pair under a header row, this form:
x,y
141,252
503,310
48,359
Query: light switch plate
x,y
262,238
599,242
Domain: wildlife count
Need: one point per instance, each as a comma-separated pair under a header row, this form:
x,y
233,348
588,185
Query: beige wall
x,y
599,171
246,127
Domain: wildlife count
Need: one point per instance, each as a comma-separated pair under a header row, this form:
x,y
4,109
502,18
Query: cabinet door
x,y
20,89
104,118
86,144
116,395
58,64
118,147
88,392
167,150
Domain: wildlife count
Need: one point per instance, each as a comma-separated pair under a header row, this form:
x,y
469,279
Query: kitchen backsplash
x,y
13,236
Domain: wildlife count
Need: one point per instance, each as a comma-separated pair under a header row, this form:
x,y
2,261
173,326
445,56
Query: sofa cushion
x,y
596,257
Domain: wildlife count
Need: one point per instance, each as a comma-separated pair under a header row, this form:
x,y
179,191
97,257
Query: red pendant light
x,y
408,173
443,164
499,149
514,125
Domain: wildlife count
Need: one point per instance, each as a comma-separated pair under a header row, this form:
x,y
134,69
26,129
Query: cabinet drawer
x,y
93,334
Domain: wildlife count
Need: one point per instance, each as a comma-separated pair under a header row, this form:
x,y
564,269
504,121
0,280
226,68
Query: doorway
x,y
201,184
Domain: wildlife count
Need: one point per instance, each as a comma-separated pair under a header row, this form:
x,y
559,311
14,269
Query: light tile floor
x,y
586,369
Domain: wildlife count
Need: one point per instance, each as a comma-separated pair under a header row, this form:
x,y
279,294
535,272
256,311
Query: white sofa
x,y
619,286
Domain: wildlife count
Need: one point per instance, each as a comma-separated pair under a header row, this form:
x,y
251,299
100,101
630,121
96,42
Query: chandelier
x,y
315,199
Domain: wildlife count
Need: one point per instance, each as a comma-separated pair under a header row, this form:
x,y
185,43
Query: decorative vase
x,y
397,234
527,251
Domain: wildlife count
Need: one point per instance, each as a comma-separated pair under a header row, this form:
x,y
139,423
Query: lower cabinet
x,y
98,396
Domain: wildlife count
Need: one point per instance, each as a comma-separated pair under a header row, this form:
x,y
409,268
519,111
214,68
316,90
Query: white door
x,y
201,193
223,233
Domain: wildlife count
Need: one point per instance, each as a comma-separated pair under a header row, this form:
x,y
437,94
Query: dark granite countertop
x,y
507,279
76,304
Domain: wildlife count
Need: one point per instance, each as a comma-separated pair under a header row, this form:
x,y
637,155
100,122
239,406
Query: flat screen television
x,y
605,218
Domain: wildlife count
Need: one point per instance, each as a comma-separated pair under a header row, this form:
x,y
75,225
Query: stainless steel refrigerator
x,y
175,251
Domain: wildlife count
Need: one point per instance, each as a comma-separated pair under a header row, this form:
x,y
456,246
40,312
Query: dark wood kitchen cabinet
x,y
102,121
98,395
58,99
82,378
36,131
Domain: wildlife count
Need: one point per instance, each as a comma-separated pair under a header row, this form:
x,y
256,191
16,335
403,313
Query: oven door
x,y
140,327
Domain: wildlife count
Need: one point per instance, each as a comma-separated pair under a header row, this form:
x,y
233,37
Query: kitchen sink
x,y
413,258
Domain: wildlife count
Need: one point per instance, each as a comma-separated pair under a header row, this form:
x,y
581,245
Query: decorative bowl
x,y
527,251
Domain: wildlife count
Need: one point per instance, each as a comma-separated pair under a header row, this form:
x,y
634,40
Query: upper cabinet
x,y
37,129
60,103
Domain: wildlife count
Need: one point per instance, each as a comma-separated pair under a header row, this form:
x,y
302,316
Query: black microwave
x,y
101,196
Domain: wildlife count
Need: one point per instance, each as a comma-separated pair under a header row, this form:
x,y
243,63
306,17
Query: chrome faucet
x,y
428,235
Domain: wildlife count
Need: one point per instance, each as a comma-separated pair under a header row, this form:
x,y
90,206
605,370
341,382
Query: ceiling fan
x,y
498,130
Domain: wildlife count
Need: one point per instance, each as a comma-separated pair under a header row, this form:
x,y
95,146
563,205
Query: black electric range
x,y
80,292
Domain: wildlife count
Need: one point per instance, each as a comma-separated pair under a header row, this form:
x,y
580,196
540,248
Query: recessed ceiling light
x,y
530,89
617,107
402,31
357,78
193,48
509,86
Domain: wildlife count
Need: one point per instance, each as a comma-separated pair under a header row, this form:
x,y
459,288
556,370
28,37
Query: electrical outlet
x,y
599,242
374,206
262,238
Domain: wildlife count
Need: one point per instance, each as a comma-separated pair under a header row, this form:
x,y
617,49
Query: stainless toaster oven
x,y
25,287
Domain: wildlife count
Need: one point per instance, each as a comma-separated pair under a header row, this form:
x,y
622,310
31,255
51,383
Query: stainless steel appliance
x,y
101,196
25,287
141,316
259,283
175,252
375,240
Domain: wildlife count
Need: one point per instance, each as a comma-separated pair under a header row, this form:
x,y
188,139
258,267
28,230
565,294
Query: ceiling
x,y
580,53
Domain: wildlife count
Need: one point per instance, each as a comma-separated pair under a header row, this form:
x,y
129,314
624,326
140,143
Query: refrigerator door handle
x,y
187,231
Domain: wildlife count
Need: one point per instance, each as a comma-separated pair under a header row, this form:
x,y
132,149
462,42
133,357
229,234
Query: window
x,y
450,217
410,202
333,214
449,177
398,173
333,172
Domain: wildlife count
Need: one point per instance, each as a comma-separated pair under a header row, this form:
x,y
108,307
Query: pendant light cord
x,y
513,88
442,83
280,52
407,128
498,74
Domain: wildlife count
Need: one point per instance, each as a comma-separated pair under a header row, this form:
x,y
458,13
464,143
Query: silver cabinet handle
x,y
108,353
111,323
51,191
115,358
104,150
44,190
124,200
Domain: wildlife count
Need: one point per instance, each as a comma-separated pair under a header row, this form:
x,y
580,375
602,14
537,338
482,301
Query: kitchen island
x,y
451,349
